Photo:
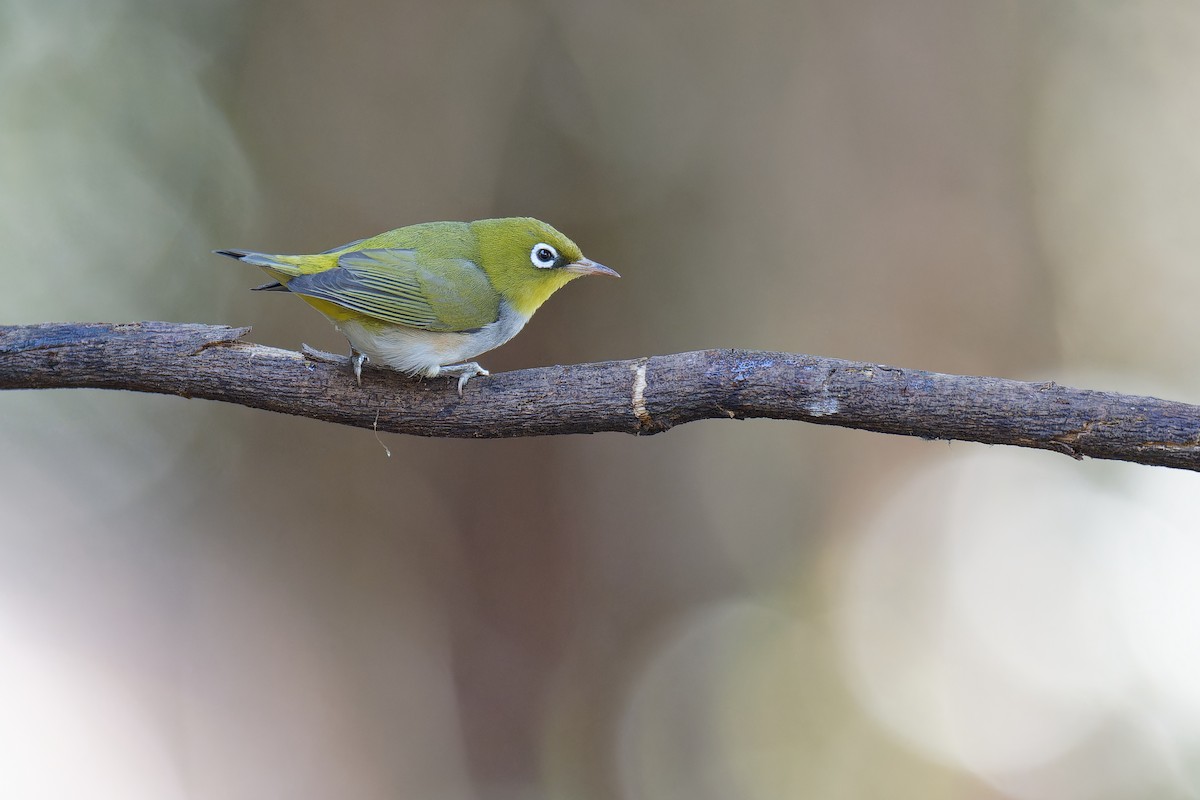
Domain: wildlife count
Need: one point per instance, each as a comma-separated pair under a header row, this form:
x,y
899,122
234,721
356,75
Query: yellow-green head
x,y
528,260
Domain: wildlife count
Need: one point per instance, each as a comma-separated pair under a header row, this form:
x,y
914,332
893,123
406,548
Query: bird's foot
x,y
357,359
464,373
313,354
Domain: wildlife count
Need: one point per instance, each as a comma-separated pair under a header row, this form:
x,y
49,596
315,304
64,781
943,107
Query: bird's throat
x,y
527,297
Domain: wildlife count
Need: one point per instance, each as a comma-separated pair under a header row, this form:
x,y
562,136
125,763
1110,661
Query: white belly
x,y
421,352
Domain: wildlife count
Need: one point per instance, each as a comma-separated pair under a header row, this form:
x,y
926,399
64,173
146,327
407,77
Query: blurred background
x,y
206,601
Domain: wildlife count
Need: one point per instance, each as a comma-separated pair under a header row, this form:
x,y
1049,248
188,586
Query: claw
x,y
464,372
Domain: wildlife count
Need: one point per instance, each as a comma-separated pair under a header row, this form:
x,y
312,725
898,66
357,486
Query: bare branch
x,y
643,396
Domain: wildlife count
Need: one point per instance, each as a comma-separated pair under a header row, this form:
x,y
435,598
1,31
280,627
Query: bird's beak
x,y
585,266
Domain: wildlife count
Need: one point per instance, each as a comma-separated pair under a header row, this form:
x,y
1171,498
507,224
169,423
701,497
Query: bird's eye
x,y
543,256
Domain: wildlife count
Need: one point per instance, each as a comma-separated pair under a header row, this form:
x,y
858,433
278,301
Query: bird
x,y
426,298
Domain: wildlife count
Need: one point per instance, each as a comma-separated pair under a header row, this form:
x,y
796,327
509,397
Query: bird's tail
x,y
281,268
284,264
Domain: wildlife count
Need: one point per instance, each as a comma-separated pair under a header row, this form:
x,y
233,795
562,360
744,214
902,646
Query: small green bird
x,y
426,298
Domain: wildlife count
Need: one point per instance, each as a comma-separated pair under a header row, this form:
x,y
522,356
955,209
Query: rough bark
x,y
640,396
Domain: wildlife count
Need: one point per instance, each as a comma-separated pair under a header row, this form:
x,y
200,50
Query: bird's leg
x,y
464,372
357,359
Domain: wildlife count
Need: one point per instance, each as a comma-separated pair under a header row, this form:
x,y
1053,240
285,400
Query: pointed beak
x,y
585,266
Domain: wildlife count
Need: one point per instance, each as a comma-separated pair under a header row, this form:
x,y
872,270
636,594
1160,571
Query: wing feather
x,y
393,285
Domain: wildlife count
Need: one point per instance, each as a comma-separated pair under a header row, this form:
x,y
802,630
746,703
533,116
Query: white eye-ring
x,y
543,256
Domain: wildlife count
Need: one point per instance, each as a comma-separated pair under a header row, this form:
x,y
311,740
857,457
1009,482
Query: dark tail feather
x,y
251,257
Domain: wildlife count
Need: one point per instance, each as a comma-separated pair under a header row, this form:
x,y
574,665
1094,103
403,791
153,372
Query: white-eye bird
x,y
426,298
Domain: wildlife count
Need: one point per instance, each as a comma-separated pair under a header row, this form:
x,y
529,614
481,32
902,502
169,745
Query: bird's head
x,y
528,260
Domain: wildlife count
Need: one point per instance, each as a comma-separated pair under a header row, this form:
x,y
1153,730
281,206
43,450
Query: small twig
x,y
641,396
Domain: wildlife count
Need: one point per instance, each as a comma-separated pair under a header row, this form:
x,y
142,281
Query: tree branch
x,y
642,396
